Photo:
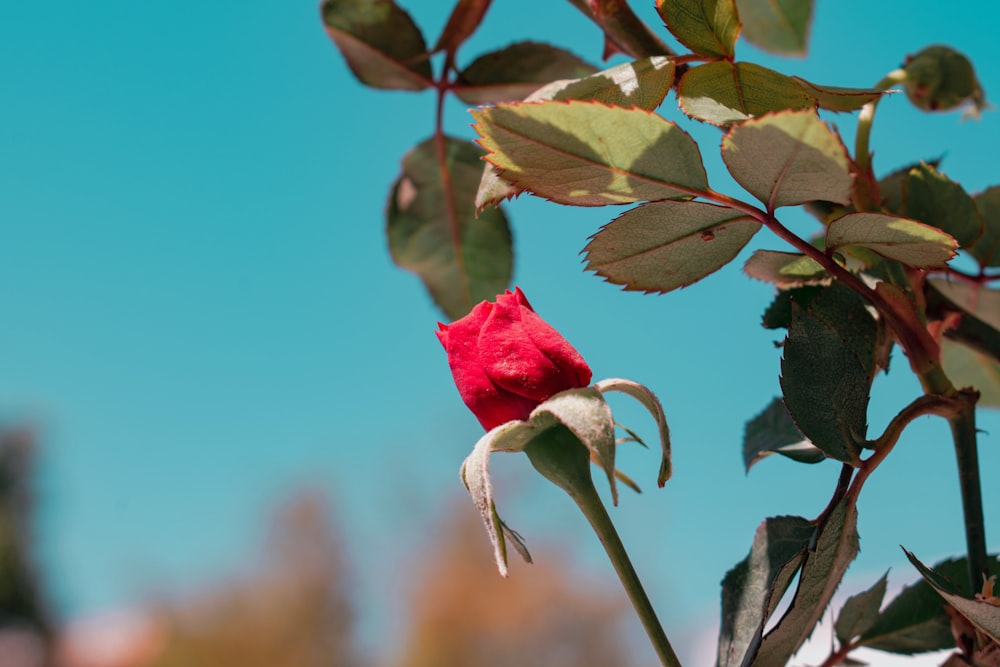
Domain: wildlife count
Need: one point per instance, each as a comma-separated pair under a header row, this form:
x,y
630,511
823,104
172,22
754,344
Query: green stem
x,y
963,432
626,30
565,462
866,194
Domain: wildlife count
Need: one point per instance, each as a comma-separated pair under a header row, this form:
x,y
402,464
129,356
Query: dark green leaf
x,y
915,621
778,26
774,432
987,249
381,43
708,27
981,614
827,370
931,197
752,589
464,19
779,314
822,571
590,154
834,98
788,158
724,92
642,83
660,246
785,269
860,612
434,232
906,241
514,72
891,185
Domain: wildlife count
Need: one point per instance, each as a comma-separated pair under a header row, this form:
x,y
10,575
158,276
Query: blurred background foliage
x,y
294,604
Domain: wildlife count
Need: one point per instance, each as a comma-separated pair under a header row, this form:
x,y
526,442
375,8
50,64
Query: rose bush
x,y
506,360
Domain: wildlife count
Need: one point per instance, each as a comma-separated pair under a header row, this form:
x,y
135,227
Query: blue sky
x,y
200,311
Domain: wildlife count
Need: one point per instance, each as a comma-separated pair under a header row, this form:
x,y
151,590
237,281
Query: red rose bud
x,y
506,360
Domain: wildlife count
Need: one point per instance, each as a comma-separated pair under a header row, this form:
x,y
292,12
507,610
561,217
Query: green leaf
x,y
906,241
514,72
891,185
983,615
821,573
660,246
433,231
643,83
589,154
931,197
827,371
969,368
915,621
774,432
724,92
939,78
834,98
788,158
986,249
779,314
708,27
464,19
778,26
753,588
381,43
785,269
978,323
860,612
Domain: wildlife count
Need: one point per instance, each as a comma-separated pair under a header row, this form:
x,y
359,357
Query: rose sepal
x,y
648,400
585,414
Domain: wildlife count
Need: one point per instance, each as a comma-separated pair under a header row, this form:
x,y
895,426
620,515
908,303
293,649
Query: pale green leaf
x,y
724,92
514,72
434,232
978,308
774,432
980,301
643,83
708,27
778,26
968,368
983,615
788,158
860,612
590,154
381,43
906,241
932,198
834,98
785,269
660,246
753,588
821,573
986,250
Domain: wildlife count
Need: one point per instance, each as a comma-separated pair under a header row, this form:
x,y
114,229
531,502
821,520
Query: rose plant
x,y
876,274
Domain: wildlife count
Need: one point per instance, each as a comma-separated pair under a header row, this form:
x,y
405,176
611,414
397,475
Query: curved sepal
x,y
587,416
649,401
475,473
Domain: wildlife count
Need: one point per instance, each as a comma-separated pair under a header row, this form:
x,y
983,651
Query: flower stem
x,y
565,462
